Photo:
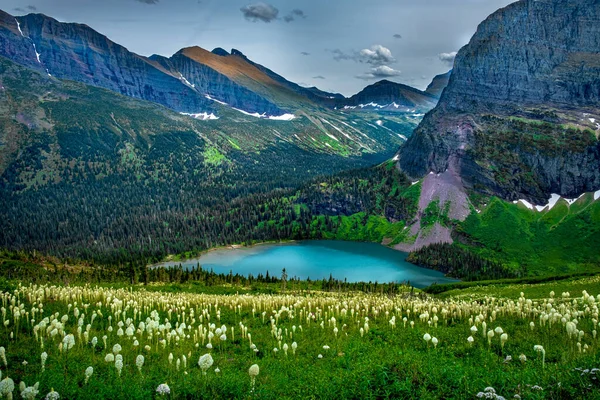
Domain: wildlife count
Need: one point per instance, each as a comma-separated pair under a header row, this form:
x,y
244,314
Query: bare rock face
x,y
438,84
519,118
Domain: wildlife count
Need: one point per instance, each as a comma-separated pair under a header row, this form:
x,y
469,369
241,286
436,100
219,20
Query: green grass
x,y
382,362
562,240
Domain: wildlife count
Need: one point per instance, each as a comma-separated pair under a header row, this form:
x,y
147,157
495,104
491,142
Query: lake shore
x,y
179,258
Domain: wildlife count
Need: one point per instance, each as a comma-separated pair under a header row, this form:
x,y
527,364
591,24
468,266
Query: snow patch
x,y
414,183
371,104
402,136
284,117
203,116
256,115
36,53
525,203
337,129
597,195
379,122
331,136
396,157
19,27
571,201
215,100
186,81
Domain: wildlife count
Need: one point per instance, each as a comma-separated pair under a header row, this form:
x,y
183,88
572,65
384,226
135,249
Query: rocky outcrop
x,y
438,84
519,116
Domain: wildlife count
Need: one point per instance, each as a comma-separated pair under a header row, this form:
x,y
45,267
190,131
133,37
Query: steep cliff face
x,y
438,84
77,52
519,118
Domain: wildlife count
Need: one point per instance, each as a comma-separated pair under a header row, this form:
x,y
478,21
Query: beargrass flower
x,y
29,392
205,362
540,349
163,389
7,386
88,373
253,372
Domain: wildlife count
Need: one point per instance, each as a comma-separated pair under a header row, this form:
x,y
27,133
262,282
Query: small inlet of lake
x,y
318,259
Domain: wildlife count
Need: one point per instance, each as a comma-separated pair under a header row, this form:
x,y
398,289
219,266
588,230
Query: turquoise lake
x,y
317,259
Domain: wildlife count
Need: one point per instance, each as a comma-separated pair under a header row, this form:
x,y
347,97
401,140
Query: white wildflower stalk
x,y
253,372
44,357
3,356
88,373
540,349
139,362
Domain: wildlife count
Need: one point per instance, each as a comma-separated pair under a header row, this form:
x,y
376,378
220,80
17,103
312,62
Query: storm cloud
x,y
293,15
260,12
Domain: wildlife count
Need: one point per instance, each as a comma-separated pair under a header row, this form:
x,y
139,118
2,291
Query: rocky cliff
x,y
519,117
438,84
77,52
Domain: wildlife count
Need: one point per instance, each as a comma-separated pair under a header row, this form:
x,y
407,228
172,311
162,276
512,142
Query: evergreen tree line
x,y
458,262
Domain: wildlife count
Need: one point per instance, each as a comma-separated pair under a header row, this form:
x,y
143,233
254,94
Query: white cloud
x,y
447,58
376,55
383,71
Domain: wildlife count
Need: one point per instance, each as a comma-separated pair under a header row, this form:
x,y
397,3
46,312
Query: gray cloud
x,y
147,1
304,53
447,58
397,36
296,13
32,8
260,12
380,72
376,55
19,9
319,77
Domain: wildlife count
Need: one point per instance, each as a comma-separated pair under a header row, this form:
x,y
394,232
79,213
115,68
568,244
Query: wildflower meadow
x,y
92,342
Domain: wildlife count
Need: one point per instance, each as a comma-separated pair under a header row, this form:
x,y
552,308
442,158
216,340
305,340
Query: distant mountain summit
x,y
520,117
438,84
390,96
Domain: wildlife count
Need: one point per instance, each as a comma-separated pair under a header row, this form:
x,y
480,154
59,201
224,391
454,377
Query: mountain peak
x,y
220,52
235,52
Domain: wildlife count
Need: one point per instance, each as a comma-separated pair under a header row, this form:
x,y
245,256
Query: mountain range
x,y
139,157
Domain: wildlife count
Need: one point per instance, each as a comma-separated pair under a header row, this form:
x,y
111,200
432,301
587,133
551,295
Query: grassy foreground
x,y
305,344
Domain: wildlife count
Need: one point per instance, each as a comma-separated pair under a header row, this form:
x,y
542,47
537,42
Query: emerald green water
x,y
317,259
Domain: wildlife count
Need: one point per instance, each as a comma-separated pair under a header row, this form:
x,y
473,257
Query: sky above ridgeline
x,y
336,45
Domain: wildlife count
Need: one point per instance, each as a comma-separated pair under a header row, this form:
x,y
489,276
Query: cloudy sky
x,y
337,45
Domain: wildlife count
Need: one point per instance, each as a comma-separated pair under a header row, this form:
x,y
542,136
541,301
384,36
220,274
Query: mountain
x,y
438,84
77,52
519,118
157,155
389,96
